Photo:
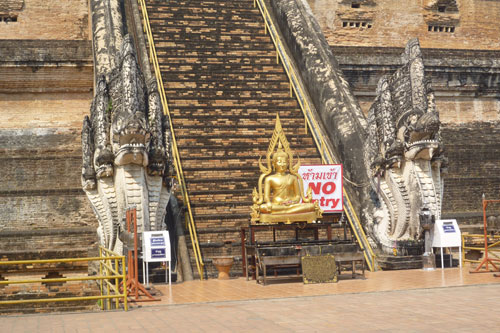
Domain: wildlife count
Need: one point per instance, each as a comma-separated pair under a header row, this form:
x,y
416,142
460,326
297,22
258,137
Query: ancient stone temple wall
x,y
459,40
45,20
391,23
46,83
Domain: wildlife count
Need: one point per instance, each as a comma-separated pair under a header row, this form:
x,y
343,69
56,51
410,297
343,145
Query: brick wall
x,y
47,20
394,22
46,82
474,168
40,180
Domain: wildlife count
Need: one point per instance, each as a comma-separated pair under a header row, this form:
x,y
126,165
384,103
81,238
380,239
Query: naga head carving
x,y
127,125
403,120
403,151
130,135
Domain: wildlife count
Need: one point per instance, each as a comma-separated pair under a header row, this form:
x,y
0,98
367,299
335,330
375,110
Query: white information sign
x,y
446,233
326,184
155,248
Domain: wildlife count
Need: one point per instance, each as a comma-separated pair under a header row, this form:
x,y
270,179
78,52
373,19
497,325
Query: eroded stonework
x,y
126,140
404,152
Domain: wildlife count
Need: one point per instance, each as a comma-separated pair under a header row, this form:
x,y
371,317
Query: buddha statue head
x,y
280,160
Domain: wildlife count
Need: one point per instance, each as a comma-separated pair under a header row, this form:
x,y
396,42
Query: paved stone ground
x,y
458,309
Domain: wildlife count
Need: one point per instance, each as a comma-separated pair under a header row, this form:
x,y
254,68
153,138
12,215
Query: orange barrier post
x,y
486,260
134,287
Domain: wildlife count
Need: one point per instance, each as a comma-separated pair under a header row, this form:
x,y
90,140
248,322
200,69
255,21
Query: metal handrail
x,y
314,127
176,156
105,256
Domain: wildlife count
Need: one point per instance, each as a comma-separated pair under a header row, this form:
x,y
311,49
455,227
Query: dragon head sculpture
x,y
404,152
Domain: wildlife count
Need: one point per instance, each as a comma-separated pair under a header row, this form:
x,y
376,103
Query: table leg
x,y
244,263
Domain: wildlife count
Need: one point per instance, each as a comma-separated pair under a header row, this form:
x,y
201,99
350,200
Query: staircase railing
x,y
112,274
175,152
313,124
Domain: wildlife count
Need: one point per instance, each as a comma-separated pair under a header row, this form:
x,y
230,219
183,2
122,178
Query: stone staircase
x,y
224,89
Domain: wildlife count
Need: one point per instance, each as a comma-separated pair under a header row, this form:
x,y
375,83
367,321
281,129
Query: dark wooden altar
x,y
259,255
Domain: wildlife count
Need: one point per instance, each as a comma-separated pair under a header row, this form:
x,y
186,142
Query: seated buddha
x,y
282,189
283,199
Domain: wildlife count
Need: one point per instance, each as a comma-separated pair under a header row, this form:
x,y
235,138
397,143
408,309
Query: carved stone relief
x,y
404,152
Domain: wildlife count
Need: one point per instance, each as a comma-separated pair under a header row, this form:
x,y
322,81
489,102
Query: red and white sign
x,y
326,184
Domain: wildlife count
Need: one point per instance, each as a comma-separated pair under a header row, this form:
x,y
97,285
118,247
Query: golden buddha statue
x,y
282,199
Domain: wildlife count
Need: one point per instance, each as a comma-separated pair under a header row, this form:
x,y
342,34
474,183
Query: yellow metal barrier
x,y
314,127
177,162
109,269
476,242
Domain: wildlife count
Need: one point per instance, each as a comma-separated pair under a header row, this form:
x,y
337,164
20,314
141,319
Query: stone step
x,y
293,126
222,210
252,141
159,5
232,163
298,130
227,93
209,16
399,262
188,47
240,151
165,28
265,102
243,87
208,78
205,63
201,43
207,68
175,21
251,112
172,54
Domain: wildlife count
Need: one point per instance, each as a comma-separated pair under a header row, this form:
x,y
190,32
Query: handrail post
x,y
124,280
100,281
117,300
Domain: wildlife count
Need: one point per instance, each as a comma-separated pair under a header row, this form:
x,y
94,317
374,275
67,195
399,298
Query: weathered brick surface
x,y
41,19
40,177
394,22
472,150
46,81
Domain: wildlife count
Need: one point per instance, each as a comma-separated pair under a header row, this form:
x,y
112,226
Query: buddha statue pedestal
x,y
223,265
307,217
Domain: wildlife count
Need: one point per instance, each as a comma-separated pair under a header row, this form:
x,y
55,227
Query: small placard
x,y
157,241
447,228
156,246
158,253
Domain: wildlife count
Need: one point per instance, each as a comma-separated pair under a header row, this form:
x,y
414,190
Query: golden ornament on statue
x,y
280,197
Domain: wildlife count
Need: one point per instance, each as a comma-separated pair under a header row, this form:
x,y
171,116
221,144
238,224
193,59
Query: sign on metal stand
x,y
156,248
446,233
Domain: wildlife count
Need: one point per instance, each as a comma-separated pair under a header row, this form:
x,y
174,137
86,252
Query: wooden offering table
x,y
258,256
